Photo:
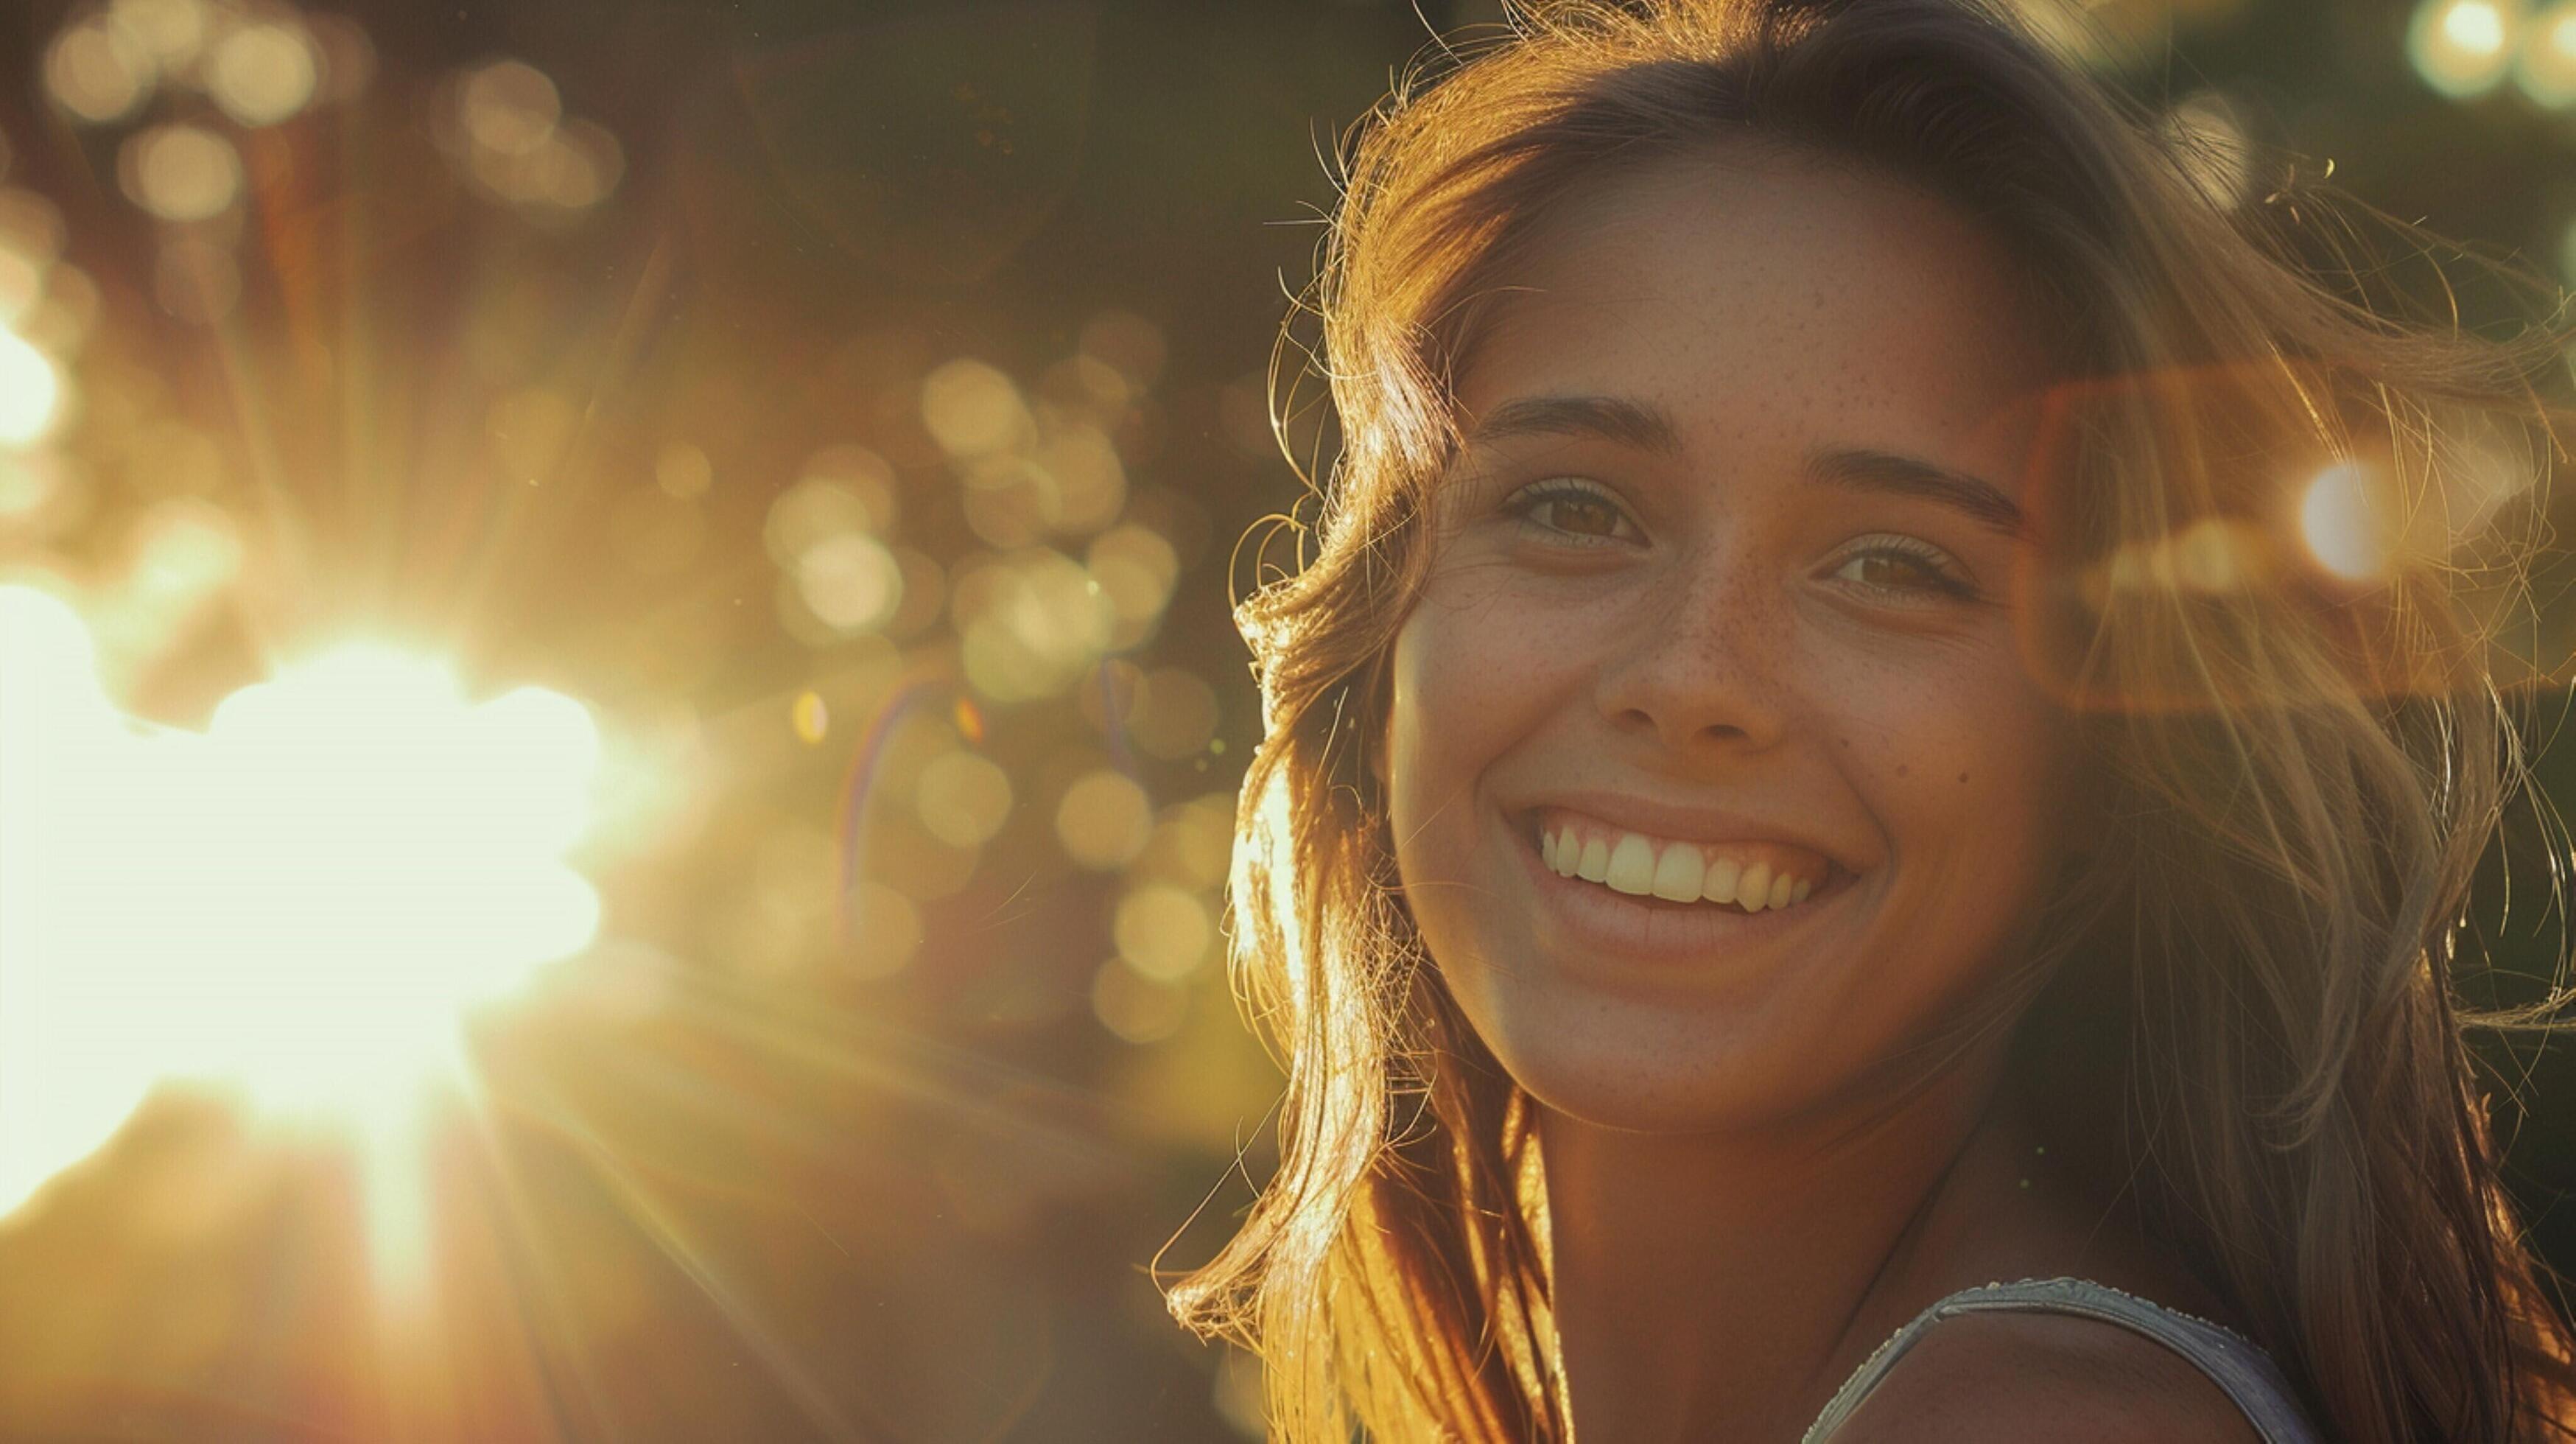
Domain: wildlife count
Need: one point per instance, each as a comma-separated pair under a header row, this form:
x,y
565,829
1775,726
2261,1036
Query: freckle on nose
x,y
1963,777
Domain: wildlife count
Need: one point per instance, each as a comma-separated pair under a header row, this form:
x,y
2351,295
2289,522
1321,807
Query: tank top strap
x,y
2230,1360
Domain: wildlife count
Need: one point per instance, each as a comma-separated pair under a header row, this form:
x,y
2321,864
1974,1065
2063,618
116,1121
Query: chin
x,y
1649,1069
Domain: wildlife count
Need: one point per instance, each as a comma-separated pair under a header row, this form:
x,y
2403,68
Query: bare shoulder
x,y
2044,1376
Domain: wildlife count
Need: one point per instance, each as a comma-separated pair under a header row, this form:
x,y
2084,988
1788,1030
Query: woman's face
x,y
1722,595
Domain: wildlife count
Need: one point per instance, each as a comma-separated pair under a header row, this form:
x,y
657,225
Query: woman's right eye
x,y
1569,510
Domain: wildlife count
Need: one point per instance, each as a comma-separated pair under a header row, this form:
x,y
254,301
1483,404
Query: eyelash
x,y
1941,576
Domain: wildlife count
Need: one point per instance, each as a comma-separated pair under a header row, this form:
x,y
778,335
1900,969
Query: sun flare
x,y
303,902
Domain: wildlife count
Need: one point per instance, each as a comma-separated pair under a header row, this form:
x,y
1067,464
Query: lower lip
x,y
1597,919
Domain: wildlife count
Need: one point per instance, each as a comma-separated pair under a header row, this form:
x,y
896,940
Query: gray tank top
x,y
2227,1357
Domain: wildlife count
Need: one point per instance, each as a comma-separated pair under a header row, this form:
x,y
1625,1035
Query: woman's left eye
x,y
1571,510
1905,570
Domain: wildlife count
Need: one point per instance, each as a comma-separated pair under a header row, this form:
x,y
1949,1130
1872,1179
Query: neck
x,y
1718,1285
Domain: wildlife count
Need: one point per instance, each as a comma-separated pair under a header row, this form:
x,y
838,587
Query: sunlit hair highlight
x,y
2249,982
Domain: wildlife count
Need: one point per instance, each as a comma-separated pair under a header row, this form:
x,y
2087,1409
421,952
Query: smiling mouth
x,y
1738,878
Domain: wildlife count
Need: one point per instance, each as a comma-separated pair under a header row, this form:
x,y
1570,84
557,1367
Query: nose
x,y
1705,663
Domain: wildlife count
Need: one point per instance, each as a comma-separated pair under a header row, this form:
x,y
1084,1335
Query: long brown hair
x,y
2249,982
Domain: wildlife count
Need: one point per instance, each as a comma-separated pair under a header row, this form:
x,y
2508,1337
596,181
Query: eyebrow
x,y
1630,423
1647,427
1883,471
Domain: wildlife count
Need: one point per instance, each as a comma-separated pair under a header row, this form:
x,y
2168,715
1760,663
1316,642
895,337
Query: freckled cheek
x,y
1465,667
1965,777
1450,715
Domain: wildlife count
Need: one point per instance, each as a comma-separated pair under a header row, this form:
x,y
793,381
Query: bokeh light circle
x,y
1104,820
30,391
180,172
261,74
2462,48
963,798
98,73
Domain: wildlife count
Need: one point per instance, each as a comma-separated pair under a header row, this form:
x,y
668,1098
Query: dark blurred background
x,y
855,407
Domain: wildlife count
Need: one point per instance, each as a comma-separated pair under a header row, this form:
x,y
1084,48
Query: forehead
x,y
1755,281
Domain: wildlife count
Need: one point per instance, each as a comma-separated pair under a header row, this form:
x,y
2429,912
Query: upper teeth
x,y
1751,875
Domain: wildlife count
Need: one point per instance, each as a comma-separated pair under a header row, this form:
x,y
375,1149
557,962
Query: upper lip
x,y
1681,822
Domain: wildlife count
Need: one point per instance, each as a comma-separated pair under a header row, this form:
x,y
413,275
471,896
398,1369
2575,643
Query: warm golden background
x,y
617,718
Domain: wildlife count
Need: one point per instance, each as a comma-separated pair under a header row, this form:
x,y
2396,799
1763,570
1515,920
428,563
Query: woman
x,y
1814,769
